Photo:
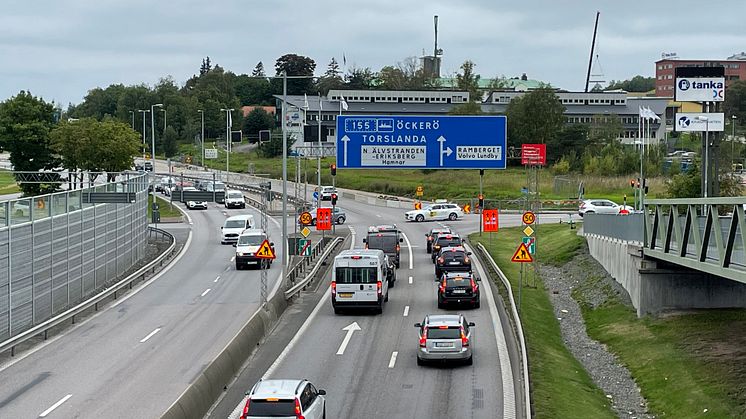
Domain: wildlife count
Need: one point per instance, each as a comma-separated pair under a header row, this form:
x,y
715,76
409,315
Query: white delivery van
x,y
234,199
360,279
234,226
248,245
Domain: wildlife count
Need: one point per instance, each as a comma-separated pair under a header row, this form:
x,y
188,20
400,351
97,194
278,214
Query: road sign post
x,y
435,142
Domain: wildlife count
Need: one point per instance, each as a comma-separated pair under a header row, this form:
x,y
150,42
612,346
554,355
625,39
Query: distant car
x,y
432,235
284,399
458,287
326,192
387,238
148,166
444,337
196,205
443,241
601,206
234,199
446,211
452,259
339,216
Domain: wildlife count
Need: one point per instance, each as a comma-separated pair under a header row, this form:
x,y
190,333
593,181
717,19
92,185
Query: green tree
x,y
391,78
569,143
294,65
735,101
686,184
257,120
25,123
332,78
636,84
100,102
170,146
253,91
604,128
469,108
535,117
205,67
273,147
469,81
258,70
360,79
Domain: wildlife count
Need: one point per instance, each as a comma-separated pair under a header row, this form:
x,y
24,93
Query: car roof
x,y
443,319
383,228
285,388
253,232
240,217
464,275
360,252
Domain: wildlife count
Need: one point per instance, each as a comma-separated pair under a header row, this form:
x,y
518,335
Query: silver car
x,y
445,337
285,399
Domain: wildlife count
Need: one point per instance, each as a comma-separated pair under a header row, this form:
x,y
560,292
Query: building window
x,y
660,67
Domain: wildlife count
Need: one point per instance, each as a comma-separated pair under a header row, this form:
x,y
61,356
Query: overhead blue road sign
x,y
433,142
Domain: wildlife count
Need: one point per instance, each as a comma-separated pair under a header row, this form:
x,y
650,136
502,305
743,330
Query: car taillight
x,y
398,247
464,339
429,238
334,288
297,410
423,338
379,287
466,260
441,260
246,409
582,206
473,286
442,287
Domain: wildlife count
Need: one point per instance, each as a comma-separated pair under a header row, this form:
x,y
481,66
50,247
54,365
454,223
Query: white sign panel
x,y
211,153
478,152
700,89
699,122
393,156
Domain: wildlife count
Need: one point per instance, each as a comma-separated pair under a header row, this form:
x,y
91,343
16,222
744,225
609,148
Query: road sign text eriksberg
x,y
446,142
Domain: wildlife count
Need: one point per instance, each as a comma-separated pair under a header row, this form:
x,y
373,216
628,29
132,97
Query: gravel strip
x,y
596,286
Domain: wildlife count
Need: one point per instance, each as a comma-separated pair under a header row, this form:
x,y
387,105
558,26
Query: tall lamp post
x,y
732,139
202,136
227,140
143,112
152,149
706,154
164,120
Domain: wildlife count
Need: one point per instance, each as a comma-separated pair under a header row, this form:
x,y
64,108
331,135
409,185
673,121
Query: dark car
x,y
444,240
452,259
386,238
433,234
457,288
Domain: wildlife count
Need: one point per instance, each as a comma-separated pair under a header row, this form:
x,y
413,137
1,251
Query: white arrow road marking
x,y
346,140
54,406
410,279
406,311
150,335
409,246
392,361
216,279
350,330
205,293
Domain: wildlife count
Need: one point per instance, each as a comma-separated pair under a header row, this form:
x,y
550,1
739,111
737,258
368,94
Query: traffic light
x,y
333,167
334,199
481,201
632,183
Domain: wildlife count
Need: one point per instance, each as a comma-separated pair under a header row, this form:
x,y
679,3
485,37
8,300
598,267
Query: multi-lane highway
x,y
137,356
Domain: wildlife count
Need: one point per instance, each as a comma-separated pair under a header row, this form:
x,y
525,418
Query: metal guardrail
x,y
91,302
302,284
518,326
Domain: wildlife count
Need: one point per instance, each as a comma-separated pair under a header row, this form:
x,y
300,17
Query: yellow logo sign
x,y
522,254
305,232
265,251
528,231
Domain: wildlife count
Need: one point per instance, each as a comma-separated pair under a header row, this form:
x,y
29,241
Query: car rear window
x,y
361,275
457,281
382,241
267,408
449,333
445,242
451,256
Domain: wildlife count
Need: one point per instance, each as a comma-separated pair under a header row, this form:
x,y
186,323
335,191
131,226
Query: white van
x,y
248,245
233,227
360,278
234,199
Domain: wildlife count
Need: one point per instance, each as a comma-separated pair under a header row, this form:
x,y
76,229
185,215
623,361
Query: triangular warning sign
x,y
522,254
265,251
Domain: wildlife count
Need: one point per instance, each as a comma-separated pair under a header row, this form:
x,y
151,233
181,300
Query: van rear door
x,y
357,282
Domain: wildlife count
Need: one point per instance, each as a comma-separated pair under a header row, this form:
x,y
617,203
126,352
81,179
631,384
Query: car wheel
x,y
323,415
429,249
337,310
243,206
419,218
379,310
238,267
397,264
420,361
477,304
469,360
341,220
452,216
441,304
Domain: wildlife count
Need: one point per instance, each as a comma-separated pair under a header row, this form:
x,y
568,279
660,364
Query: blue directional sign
x,y
432,142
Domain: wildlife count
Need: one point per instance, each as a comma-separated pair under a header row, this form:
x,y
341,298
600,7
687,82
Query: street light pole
x,y
706,153
732,139
152,150
164,120
285,175
143,111
202,137
227,140
318,163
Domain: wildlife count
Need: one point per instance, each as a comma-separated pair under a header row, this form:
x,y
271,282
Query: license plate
x,y
346,294
459,291
454,263
444,344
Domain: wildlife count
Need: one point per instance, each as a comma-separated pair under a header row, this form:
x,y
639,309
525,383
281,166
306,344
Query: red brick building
x,y
665,76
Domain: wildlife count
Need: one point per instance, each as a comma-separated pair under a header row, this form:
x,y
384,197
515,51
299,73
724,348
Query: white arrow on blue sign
x,y
445,142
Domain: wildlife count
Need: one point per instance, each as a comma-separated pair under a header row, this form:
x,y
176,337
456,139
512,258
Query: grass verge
x,y
560,386
8,184
166,209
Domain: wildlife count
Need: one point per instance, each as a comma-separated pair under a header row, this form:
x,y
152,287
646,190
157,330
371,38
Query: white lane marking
x,y
409,246
150,335
54,406
350,330
323,300
352,233
406,311
159,274
233,258
410,279
378,215
502,349
392,361
216,279
205,293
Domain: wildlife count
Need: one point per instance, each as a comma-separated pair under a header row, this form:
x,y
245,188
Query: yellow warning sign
x,y
522,255
266,252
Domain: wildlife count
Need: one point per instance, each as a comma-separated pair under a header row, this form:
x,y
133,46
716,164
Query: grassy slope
x,y
561,388
8,184
164,207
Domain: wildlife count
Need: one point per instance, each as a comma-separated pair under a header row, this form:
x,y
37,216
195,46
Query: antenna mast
x,y
590,60
435,52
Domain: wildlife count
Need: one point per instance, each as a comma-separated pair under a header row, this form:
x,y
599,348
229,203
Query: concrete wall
x,y
654,289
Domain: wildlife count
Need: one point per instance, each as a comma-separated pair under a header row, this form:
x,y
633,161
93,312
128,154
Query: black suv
x,y
444,240
433,234
452,259
386,238
458,287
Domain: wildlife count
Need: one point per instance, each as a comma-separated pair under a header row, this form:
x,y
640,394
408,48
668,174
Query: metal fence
x,y
621,227
57,250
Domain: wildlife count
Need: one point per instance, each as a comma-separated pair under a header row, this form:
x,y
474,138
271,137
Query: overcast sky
x,y
61,49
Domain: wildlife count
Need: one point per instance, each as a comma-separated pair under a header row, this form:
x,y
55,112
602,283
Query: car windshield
x,y
356,275
452,332
235,195
382,241
235,224
458,281
218,186
250,240
271,409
